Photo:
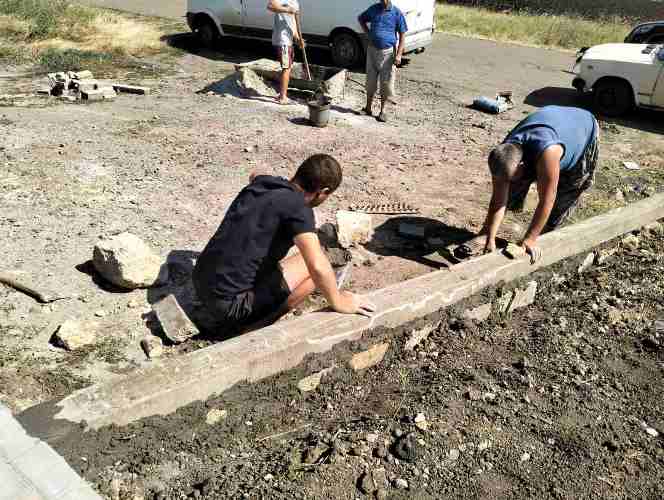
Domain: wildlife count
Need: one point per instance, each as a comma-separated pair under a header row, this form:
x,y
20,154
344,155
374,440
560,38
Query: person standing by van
x,y
284,34
387,39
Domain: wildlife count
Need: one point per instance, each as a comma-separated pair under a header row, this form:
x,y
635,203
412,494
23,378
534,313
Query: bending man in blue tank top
x,y
556,147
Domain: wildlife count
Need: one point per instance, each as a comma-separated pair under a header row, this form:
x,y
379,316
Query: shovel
x,y
304,50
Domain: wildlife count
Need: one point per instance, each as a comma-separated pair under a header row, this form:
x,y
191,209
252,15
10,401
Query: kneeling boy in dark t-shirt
x,y
243,276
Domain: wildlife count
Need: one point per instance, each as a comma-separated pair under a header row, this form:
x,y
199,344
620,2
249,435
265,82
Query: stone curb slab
x,y
167,385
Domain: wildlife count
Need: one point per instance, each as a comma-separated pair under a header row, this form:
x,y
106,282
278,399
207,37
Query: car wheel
x,y
207,33
613,97
347,51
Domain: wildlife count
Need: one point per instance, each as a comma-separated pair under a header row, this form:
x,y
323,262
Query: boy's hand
x,y
350,303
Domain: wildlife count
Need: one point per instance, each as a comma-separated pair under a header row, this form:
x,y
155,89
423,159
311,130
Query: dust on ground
x,y
561,400
166,166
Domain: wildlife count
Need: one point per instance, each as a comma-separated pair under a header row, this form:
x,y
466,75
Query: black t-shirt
x,y
256,233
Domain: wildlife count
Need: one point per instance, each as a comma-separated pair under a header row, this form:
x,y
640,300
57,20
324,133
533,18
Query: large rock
x,y
126,261
74,334
353,228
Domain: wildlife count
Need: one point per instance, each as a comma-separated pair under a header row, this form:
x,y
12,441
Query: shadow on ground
x,y
239,51
433,236
640,119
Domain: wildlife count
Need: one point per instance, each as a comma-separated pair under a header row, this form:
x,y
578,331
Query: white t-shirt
x,y
284,25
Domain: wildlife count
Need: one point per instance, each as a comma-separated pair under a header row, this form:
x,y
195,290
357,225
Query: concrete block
x,y
312,382
14,486
168,384
480,313
369,358
176,324
130,89
92,95
353,228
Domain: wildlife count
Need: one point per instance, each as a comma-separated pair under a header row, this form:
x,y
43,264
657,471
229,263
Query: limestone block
x,y
369,358
126,261
312,382
74,334
353,228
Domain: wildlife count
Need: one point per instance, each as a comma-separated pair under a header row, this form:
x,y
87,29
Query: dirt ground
x,y
561,399
165,167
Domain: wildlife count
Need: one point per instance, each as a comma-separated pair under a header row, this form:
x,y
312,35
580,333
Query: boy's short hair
x,y
319,172
504,160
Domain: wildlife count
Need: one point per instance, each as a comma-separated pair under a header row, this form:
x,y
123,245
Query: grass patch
x,y
559,31
64,35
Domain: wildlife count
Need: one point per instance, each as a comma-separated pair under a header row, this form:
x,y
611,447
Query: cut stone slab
x,y
152,346
92,95
126,261
174,321
480,313
417,336
353,228
312,382
161,387
369,358
74,334
524,297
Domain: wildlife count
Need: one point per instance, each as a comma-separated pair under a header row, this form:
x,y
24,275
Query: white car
x,y
330,24
621,76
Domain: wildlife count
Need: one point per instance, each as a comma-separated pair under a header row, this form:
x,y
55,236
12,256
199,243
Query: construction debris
x,y
152,346
74,86
174,321
126,261
353,228
23,283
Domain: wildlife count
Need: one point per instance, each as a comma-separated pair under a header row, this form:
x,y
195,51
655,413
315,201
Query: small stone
x,y
473,395
312,455
421,421
100,313
250,149
479,314
372,438
649,430
489,397
525,457
618,195
523,297
406,448
133,304
369,358
417,336
73,334
152,346
312,382
268,477
587,263
453,454
353,228
401,484
484,445
631,242
215,416
126,261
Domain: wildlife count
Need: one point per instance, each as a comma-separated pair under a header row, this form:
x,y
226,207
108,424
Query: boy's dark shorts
x,y
266,298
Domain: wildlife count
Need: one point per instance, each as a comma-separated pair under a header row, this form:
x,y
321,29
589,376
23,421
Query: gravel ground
x,y
561,399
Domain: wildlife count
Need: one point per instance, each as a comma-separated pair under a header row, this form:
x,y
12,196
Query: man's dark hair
x,y
319,172
504,160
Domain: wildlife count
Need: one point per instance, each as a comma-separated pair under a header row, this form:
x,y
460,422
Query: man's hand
x,y
292,10
530,247
350,303
397,61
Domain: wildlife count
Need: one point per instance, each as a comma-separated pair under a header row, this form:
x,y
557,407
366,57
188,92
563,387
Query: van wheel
x,y
613,97
207,33
347,51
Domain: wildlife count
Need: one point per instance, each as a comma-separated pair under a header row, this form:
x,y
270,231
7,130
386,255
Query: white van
x,y
329,24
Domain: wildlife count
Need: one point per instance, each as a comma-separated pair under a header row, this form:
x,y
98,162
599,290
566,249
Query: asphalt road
x,y
467,67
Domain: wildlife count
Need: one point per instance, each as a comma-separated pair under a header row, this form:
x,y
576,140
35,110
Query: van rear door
x,y
419,14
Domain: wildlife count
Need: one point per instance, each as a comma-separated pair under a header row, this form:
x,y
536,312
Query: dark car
x,y
652,32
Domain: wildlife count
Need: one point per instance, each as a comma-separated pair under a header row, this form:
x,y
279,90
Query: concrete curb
x,y
170,384
31,470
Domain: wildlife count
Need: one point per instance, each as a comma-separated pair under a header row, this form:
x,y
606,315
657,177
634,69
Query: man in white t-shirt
x,y
284,33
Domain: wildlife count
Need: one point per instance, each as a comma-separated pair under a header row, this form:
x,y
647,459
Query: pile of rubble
x,y
82,86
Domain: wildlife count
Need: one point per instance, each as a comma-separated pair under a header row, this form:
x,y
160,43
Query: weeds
x,y
561,31
72,59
